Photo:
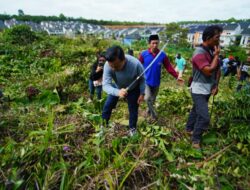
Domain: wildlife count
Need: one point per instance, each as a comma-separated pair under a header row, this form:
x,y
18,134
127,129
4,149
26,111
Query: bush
x,y
20,35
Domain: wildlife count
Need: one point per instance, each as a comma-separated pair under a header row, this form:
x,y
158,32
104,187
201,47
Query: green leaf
x,y
170,156
49,98
209,138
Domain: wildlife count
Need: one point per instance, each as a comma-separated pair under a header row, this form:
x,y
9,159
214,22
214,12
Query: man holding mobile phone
x,y
206,75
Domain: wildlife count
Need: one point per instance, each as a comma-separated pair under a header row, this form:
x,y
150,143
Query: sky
x,y
159,11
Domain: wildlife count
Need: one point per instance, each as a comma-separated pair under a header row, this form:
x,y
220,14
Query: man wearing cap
x,y
153,74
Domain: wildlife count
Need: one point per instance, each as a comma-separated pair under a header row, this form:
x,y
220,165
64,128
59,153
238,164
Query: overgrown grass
x,y
52,140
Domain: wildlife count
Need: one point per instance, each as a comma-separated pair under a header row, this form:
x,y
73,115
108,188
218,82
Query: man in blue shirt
x,y
123,69
153,74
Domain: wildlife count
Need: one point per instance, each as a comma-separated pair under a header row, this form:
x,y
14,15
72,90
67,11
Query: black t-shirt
x,y
95,75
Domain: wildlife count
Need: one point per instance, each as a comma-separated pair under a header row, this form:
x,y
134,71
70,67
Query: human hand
x,y
140,99
216,50
214,90
99,69
123,93
180,81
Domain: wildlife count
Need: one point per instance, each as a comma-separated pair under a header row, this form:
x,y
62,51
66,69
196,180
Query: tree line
x,y
39,18
61,17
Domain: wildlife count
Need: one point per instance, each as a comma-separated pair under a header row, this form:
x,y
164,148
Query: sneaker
x,y
196,146
132,132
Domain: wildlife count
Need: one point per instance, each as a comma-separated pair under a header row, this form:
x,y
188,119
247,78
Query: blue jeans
x,y
92,89
133,106
199,119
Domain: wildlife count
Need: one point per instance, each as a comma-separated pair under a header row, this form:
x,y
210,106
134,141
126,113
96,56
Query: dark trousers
x,y
133,106
199,119
92,89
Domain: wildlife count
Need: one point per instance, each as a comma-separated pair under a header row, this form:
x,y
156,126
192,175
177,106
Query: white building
x,y
245,38
229,34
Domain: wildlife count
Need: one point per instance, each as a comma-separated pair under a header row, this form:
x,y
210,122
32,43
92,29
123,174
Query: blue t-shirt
x,y
153,74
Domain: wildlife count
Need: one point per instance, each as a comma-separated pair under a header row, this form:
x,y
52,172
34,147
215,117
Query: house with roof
x,y
10,23
244,25
116,33
197,37
245,38
132,31
83,28
190,34
122,32
107,33
156,30
34,26
194,34
145,33
55,31
129,39
230,34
